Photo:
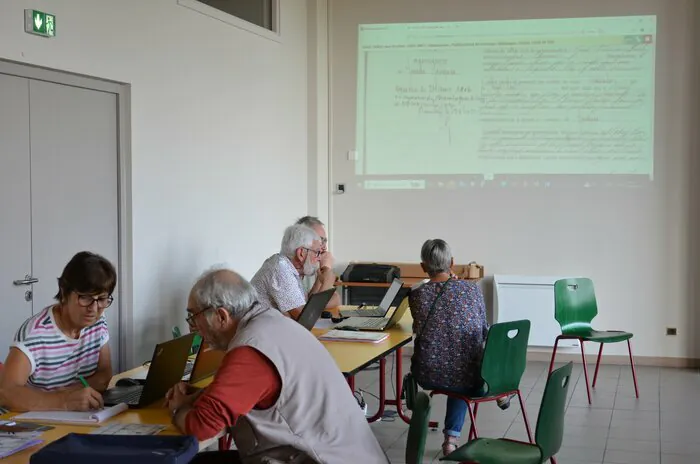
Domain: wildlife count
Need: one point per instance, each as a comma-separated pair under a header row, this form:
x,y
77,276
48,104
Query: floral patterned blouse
x,y
450,344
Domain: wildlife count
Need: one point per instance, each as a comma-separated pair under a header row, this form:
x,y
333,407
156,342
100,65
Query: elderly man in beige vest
x,y
277,387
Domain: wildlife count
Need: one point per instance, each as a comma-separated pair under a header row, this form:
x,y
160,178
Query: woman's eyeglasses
x,y
103,302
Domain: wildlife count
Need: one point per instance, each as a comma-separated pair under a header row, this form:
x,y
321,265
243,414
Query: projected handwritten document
x,y
551,96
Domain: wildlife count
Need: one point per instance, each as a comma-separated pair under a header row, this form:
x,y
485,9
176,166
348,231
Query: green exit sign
x,y
39,23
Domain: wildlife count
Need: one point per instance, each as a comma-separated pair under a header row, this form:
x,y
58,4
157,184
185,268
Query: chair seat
x,y
601,336
496,451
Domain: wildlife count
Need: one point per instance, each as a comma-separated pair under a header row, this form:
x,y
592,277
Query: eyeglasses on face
x,y
317,252
193,315
103,302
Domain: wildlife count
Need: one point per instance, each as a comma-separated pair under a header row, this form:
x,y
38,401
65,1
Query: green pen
x,y
83,381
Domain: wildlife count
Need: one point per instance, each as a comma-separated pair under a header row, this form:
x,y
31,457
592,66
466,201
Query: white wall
x,y
219,134
635,244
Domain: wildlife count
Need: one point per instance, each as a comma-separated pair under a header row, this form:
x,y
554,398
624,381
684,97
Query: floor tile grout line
x,y
612,413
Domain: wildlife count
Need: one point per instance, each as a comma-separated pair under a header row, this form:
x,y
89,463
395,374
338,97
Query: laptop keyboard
x,y
366,323
374,312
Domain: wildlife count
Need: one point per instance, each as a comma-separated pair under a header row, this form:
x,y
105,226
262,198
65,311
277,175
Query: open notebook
x,y
354,336
88,418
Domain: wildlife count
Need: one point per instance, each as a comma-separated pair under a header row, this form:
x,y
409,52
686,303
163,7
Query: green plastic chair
x,y
196,340
574,308
548,435
418,429
502,368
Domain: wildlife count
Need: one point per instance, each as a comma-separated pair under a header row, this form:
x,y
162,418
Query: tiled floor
x,y
661,427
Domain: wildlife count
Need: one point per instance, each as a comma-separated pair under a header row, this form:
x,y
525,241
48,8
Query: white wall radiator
x,y
518,297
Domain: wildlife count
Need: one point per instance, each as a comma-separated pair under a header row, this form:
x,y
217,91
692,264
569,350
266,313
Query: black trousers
x,y
217,457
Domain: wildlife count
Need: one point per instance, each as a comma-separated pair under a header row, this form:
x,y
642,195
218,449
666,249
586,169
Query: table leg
x,y
351,382
382,393
399,383
225,442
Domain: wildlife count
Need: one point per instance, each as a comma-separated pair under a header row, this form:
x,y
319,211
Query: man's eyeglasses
x,y
318,252
102,302
190,318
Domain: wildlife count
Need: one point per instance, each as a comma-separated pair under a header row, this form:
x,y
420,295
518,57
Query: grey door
x,y
15,207
74,185
58,181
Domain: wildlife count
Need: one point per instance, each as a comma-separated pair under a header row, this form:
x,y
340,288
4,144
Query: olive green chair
x,y
548,434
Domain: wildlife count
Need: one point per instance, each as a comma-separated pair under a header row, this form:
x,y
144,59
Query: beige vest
x,y
316,418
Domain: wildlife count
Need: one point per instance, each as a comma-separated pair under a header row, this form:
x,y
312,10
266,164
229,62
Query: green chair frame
x,y
548,435
418,428
575,307
502,368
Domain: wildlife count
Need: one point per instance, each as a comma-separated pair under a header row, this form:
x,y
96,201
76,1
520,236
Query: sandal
x,y
449,445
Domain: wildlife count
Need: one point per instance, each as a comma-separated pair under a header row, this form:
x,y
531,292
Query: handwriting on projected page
x,y
492,101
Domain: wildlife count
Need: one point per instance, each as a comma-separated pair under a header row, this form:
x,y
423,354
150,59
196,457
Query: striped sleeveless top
x,y
56,359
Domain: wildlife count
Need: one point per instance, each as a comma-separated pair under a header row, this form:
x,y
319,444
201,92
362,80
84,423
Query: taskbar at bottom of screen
x,y
503,181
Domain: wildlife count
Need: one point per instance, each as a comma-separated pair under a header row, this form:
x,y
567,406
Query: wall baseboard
x,y
615,360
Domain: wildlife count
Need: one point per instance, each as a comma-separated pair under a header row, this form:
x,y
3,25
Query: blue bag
x,y
118,449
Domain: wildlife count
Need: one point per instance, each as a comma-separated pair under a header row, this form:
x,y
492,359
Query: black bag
x,y
118,449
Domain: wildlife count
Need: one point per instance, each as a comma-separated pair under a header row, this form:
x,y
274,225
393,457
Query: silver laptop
x,y
378,324
376,311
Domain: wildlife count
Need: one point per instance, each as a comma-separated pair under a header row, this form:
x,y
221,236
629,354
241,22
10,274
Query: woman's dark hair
x,y
87,273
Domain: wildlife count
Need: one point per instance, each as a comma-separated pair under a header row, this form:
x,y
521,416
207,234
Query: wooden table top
x,y
351,357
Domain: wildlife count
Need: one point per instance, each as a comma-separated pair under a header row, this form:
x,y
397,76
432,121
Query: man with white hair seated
x,y
312,283
277,387
279,280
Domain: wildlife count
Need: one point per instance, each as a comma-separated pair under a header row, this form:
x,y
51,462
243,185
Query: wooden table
x,y
353,357
156,414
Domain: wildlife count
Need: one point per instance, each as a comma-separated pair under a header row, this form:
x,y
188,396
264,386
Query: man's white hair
x,y
295,237
224,288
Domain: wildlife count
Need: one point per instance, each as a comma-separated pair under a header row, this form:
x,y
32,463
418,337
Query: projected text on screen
x,y
531,97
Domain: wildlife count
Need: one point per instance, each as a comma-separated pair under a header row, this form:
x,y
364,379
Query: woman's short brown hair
x,y
87,273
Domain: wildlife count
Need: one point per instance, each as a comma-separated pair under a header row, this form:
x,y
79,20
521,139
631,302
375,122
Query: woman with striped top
x,y
63,342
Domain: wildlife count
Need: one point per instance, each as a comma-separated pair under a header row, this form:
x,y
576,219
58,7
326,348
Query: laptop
x,y
205,365
376,311
378,324
167,365
314,307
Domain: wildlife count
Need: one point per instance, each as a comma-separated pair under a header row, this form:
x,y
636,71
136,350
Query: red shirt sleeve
x,y
245,380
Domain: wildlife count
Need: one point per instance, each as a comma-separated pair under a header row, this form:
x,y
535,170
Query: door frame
x,y
124,206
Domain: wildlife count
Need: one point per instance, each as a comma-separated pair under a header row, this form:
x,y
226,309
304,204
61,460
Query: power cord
x,y
359,397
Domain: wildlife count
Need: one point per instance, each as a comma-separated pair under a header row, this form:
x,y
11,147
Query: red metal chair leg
x,y
585,372
527,422
597,364
472,418
634,372
554,354
472,429
552,460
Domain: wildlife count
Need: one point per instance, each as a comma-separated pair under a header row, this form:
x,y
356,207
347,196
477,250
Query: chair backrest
x,y
410,390
550,423
418,429
505,356
574,305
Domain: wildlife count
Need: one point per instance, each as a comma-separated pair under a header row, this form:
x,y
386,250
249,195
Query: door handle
x,y
28,280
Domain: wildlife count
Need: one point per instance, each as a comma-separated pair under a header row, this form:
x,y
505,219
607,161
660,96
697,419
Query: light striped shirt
x,y
56,359
279,284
